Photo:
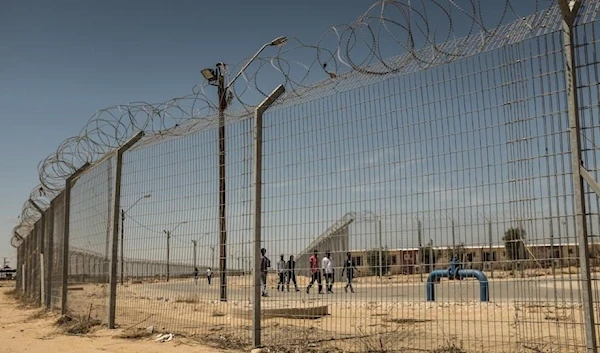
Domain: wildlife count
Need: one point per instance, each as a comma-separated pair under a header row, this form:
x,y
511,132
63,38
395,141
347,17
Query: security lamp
x,y
147,196
209,75
278,41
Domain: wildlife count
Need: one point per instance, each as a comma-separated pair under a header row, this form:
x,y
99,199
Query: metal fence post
x,y
116,210
569,11
258,127
40,232
65,269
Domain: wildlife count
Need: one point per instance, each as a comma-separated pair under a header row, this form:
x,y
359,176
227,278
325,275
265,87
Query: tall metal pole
x,y
569,11
112,304
222,93
195,245
212,264
168,253
122,243
258,142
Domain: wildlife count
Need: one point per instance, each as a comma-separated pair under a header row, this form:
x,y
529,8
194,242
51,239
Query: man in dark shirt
x,y
349,268
265,263
291,275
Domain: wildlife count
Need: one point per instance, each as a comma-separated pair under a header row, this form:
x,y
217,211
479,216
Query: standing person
x,y
328,271
209,275
195,275
315,273
265,263
281,270
291,273
349,268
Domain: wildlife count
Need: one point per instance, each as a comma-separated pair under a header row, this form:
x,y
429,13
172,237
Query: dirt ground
x,y
359,326
373,325
32,330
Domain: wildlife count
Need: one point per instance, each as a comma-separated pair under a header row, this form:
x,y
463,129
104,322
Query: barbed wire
x,y
391,37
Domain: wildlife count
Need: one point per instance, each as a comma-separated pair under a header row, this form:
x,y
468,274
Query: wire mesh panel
x,y
428,210
58,232
35,260
422,202
48,249
89,240
19,278
171,240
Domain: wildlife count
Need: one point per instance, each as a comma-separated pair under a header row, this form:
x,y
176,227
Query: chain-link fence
x,y
437,207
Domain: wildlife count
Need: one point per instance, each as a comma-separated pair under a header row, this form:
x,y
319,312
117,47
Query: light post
x,y
123,212
195,242
215,77
168,233
212,248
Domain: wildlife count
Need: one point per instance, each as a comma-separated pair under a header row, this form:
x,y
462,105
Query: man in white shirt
x,y
328,271
209,275
281,270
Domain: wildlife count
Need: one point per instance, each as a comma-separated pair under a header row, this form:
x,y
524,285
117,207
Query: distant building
x,y
406,261
7,273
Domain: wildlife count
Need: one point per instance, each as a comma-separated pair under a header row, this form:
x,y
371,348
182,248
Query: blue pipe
x,y
484,293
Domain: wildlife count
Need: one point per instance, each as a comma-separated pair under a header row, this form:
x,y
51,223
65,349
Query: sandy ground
x,y
357,326
31,330
369,325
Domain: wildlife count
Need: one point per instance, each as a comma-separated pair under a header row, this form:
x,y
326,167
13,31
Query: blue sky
x,y
63,61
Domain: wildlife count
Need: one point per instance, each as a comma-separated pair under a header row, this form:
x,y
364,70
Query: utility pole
x,y
168,233
123,212
195,242
217,78
222,93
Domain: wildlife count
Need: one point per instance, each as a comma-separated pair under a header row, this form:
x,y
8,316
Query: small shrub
x,y
135,334
450,347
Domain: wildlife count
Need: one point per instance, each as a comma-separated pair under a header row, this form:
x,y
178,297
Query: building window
x,y
393,260
357,261
488,258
